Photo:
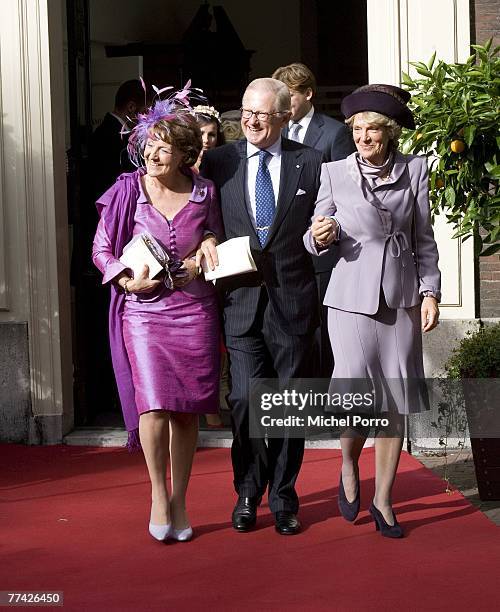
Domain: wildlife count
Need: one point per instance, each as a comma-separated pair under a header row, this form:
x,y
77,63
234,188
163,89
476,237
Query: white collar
x,y
274,149
306,119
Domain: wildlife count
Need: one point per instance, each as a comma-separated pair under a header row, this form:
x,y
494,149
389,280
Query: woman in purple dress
x,y
385,285
164,341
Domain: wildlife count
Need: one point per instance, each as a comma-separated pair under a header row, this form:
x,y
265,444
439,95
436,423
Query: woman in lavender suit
x,y
164,340
373,211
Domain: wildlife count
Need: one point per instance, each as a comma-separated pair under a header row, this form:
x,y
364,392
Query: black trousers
x,y
265,352
323,356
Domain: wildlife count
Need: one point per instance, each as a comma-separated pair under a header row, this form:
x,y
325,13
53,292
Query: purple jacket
x,y
117,208
386,238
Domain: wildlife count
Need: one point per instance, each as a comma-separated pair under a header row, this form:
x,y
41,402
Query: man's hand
x,y
208,251
186,274
324,231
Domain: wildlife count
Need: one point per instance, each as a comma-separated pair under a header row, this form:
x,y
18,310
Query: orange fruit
x,y
457,146
439,183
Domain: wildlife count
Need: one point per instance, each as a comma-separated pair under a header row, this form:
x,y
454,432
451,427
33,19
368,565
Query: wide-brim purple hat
x,y
387,100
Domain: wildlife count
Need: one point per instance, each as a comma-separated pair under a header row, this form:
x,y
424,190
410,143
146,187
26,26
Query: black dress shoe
x,y
245,513
349,510
286,523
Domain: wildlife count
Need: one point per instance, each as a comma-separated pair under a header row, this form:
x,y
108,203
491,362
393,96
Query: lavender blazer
x,y
386,238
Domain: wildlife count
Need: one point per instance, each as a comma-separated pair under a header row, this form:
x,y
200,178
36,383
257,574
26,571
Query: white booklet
x,y
137,253
235,257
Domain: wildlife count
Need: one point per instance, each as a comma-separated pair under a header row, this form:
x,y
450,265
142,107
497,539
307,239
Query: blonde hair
x,y
392,127
296,76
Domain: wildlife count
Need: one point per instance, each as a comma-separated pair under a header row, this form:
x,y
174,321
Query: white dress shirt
x,y
274,166
304,122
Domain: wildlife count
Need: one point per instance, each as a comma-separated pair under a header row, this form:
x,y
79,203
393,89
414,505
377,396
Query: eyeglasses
x,y
246,113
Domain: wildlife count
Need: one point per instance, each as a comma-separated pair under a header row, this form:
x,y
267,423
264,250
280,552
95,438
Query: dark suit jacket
x,y
334,140
108,155
329,136
283,265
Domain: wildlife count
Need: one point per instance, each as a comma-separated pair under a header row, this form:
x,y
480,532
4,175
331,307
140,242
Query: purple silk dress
x,y
171,337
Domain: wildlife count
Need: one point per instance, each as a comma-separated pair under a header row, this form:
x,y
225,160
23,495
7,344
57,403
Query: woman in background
x,y
211,130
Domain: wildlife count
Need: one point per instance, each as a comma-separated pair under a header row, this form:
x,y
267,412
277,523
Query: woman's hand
x,y
186,274
208,251
429,312
324,231
141,284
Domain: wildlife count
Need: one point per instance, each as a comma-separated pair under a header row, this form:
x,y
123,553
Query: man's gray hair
x,y
278,88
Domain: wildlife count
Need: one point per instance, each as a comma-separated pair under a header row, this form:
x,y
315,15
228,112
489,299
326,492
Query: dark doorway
x,y
333,43
94,388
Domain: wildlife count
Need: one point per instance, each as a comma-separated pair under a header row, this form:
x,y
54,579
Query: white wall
x,y
404,31
34,255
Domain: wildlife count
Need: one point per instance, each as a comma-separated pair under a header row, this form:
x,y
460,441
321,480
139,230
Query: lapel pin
x,y
297,166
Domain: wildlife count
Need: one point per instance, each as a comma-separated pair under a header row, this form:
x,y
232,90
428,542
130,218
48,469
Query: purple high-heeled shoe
x,y
388,531
349,510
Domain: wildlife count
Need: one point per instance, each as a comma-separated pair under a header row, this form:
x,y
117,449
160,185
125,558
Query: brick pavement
x,y
458,468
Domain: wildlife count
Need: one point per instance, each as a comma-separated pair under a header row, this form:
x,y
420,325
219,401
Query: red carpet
x,y
74,519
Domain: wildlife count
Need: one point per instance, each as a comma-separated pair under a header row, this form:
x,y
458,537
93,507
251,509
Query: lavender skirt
x,y
384,348
173,347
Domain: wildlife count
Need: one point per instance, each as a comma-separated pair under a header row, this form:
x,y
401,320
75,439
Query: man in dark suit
x,y
267,187
334,140
108,147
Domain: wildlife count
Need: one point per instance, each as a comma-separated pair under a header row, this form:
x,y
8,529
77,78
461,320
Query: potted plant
x,y
475,363
456,109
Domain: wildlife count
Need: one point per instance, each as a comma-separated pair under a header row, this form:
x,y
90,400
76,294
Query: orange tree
x,y
456,108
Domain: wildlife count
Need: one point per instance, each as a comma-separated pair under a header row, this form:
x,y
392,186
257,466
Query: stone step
x,y
111,436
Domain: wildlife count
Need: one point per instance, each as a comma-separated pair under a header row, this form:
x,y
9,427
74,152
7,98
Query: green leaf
x,y
431,61
407,80
449,194
469,132
491,250
424,71
494,171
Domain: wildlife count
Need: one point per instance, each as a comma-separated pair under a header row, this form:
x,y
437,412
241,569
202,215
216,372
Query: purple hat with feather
x,y
387,100
176,106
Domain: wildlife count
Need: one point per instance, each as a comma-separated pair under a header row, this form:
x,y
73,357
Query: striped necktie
x,y
264,198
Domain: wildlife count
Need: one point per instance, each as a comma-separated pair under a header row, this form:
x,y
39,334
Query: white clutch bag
x,y
142,250
235,257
